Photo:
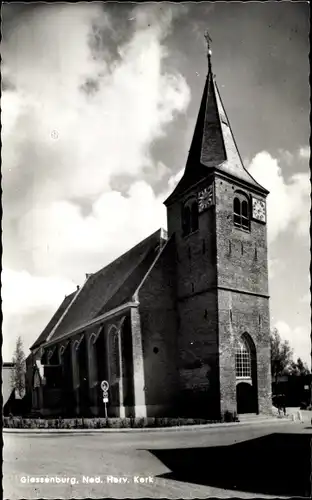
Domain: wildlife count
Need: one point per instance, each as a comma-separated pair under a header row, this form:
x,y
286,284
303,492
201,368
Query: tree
x,y
19,368
281,354
298,368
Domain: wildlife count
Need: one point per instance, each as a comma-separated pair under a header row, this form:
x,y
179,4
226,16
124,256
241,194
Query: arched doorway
x,y
245,398
246,375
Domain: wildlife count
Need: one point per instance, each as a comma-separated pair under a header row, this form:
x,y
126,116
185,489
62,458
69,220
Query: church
x,y
179,324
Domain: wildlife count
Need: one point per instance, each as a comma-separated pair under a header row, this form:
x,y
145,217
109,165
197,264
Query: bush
x,y
139,422
230,417
110,423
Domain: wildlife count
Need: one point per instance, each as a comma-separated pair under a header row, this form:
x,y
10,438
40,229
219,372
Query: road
x,y
247,461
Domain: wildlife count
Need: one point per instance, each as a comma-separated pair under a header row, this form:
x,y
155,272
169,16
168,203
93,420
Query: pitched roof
x,y
213,145
53,321
112,286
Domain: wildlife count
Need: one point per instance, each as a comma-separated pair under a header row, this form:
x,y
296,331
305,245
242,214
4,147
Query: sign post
x,y
105,387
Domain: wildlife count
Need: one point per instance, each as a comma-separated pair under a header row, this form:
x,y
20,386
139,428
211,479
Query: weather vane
x,y
208,40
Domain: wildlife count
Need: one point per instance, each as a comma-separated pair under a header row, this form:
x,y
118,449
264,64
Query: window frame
x,y
241,211
243,360
190,216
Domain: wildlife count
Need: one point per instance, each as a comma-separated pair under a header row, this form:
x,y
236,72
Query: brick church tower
x,y
217,214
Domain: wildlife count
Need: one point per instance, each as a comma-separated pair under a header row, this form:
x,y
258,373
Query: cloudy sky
x,y
98,109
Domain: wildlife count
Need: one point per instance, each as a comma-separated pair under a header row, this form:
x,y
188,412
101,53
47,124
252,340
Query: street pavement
x,y
267,460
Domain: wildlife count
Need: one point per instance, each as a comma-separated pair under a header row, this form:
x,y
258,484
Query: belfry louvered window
x,y
241,211
189,217
242,360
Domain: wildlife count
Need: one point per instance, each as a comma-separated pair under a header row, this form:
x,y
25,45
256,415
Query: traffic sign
x,y
105,394
105,400
104,385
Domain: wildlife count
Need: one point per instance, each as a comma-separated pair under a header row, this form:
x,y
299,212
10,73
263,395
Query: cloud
x,y
288,203
299,340
68,142
27,302
75,117
73,244
304,152
64,143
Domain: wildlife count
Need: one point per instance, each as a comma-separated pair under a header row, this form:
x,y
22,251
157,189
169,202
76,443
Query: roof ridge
x,y
125,253
128,275
161,249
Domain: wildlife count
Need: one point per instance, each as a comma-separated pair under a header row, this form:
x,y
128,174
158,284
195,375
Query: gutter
x,y
93,322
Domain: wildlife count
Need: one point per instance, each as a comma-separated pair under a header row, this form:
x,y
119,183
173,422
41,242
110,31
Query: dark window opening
x,y
190,217
241,213
155,350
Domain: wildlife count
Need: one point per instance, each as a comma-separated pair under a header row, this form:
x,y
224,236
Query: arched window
x,y
190,217
114,366
194,216
243,359
241,212
237,211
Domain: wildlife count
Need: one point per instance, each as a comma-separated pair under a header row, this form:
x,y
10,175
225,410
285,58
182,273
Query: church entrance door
x,y
245,397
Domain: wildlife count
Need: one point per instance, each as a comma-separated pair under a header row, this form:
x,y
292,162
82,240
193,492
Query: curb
x,y
9,430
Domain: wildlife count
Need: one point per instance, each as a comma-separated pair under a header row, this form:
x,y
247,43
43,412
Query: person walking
x,y
279,404
283,404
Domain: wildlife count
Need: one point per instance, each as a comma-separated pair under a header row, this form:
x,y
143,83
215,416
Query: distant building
x,y
178,325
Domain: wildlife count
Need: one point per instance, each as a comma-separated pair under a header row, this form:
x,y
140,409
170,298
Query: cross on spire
x,y
208,40
209,51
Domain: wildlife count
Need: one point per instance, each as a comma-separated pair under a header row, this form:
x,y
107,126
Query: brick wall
x,y
241,255
198,360
159,335
197,311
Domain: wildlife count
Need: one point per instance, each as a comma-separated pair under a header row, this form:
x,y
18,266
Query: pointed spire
x,y
213,145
